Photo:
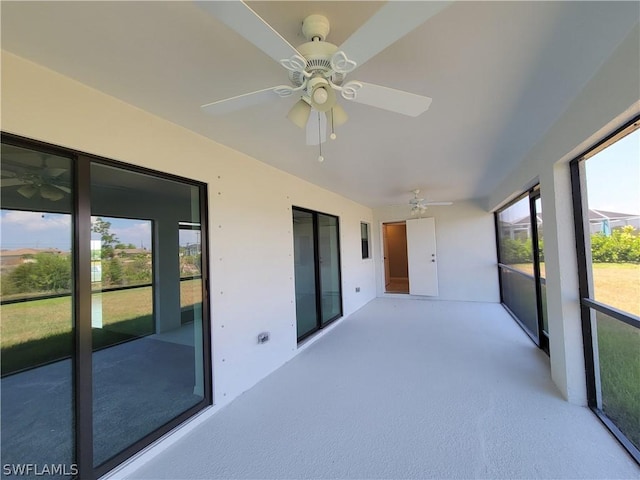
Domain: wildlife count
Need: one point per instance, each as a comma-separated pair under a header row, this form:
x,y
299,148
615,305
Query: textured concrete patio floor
x,y
403,389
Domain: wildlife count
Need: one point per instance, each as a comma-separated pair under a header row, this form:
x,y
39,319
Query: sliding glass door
x,y
145,365
329,260
317,270
521,265
104,348
37,310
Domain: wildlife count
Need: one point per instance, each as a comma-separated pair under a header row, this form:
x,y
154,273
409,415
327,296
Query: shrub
x,y
46,272
623,245
516,251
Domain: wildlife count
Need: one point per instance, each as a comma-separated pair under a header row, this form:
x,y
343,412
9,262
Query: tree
x,y
112,272
109,240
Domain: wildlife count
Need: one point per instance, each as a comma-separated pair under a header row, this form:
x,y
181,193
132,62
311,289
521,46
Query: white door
x,y
421,250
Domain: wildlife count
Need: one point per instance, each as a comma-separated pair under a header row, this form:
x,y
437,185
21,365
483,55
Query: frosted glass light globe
x,y
320,96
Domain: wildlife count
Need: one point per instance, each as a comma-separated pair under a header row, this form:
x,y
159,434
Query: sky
x,y
613,176
613,184
19,229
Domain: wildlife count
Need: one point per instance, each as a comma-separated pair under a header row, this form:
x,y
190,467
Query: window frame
x,y
586,294
532,194
81,303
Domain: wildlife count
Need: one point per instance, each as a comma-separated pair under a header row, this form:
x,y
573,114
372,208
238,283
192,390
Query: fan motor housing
x,y
318,55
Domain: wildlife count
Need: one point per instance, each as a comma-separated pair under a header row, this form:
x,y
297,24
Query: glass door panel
x,y
541,280
147,361
36,330
305,272
329,267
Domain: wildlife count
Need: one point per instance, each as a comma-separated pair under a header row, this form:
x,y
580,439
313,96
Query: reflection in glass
x,y
305,274
519,294
147,356
619,361
329,267
36,310
514,224
190,272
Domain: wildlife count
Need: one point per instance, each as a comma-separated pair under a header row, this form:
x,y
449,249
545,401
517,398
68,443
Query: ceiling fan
x,y
318,69
44,180
419,205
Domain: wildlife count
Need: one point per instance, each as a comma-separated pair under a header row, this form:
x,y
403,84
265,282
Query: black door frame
x,y
540,339
318,274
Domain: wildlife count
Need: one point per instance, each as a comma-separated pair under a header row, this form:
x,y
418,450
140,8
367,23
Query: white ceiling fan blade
x,y
434,204
393,21
10,182
239,102
60,187
240,17
316,128
391,99
54,172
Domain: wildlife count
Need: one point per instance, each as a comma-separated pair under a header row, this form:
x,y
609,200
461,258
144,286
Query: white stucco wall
x,y
251,244
609,99
466,250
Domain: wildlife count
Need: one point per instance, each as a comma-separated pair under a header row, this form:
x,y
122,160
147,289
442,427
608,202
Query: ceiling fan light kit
x,y
299,113
317,69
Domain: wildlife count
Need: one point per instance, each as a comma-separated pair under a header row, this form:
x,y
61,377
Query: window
x,y
364,235
606,196
97,330
521,264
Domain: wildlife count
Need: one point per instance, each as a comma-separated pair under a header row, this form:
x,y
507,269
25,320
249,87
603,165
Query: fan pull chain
x,y
333,132
320,158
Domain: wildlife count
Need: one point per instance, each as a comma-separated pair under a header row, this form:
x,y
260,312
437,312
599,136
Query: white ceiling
x,y
499,73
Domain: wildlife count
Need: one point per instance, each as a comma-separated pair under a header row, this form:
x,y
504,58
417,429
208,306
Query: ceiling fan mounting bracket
x,y
315,26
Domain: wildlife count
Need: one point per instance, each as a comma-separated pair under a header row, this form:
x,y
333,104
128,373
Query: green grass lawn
x,y
615,284
40,331
619,357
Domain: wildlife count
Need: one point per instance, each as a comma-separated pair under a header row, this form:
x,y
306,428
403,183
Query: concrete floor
x,y
403,389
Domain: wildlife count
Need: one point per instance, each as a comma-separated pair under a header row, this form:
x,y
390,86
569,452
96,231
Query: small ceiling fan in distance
x,y
419,205
318,69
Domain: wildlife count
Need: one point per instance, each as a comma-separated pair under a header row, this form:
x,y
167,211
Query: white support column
x,y
167,275
563,307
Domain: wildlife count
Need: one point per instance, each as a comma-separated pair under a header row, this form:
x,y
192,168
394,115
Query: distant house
x,y
518,230
13,258
599,221
122,252
604,221
192,249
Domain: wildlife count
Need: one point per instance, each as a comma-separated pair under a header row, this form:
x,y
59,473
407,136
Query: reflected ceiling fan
x,y
318,69
45,181
419,205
